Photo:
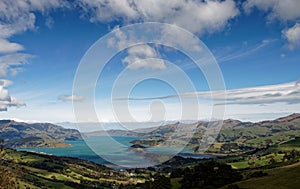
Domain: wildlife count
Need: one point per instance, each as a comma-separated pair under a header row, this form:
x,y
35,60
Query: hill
x,y
260,135
31,170
24,135
285,177
235,136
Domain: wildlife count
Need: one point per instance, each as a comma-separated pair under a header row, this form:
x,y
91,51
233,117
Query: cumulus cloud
x,y
293,36
276,9
5,99
66,98
138,56
11,64
195,16
143,56
120,40
18,16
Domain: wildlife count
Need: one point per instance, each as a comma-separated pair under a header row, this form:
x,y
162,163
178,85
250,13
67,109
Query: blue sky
x,y
256,44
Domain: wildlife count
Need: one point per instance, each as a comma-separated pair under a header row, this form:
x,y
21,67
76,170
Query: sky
x,y
253,46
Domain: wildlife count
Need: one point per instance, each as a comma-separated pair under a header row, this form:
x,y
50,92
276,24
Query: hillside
x,y
23,135
30,170
235,136
248,131
259,135
285,177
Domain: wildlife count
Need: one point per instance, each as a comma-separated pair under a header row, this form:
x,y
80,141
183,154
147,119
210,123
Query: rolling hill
x,y
234,136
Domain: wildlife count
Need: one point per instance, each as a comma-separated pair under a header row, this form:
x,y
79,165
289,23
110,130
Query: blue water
x,y
111,151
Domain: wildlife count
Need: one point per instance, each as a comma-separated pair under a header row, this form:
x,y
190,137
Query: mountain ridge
x,y
234,134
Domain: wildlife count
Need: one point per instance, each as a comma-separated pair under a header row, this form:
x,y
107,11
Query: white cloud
x,y
11,63
276,9
5,82
285,11
18,16
195,16
230,53
9,47
293,36
251,104
282,55
143,56
5,99
288,93
138,56
120,40
4,96
180,39
66,98
49,22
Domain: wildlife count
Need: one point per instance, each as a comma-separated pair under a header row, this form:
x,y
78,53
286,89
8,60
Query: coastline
x,y
48,145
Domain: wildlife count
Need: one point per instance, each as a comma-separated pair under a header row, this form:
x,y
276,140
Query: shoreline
x,y
52,146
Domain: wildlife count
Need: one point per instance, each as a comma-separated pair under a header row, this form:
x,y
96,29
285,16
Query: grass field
x,y
273,154
176,183
257,162
286,177
23,169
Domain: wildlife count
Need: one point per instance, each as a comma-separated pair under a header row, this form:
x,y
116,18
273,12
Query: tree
x,y
1,143
210,175
290,156
161,182
272,161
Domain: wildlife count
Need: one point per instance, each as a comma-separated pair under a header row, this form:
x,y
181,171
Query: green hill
x,y
286,177
31,170
235,136
24,135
